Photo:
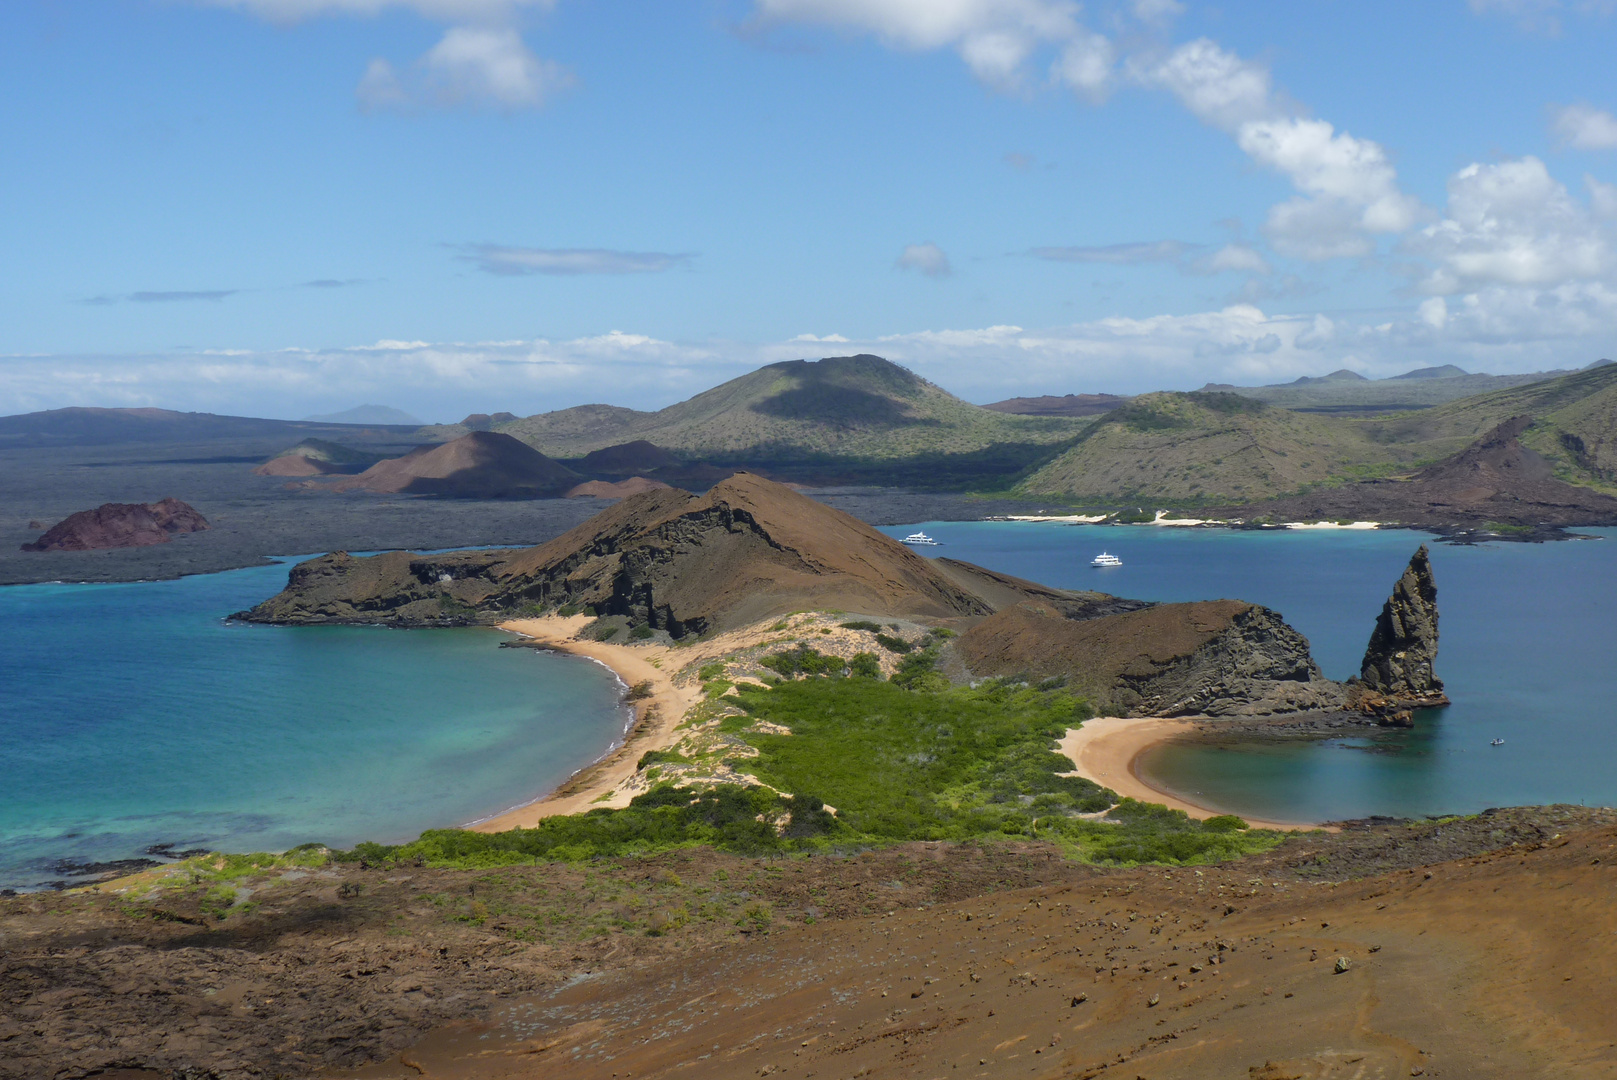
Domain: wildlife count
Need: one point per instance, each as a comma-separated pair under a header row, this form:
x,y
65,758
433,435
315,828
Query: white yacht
x,y
920,539
1104,559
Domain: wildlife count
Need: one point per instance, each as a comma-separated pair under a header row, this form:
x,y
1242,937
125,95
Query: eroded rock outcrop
x,y
1209,658
1398,673
121,525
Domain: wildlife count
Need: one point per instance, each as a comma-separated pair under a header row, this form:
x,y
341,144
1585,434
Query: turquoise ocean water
x,y
1528,652
134,714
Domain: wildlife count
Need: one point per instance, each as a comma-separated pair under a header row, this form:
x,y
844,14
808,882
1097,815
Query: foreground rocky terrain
x,y
1473,947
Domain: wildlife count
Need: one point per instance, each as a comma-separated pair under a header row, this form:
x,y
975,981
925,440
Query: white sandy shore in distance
x,y
1107,748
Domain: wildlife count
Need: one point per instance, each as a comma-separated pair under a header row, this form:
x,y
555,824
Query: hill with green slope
x,y
1574,424
844,415
1203,447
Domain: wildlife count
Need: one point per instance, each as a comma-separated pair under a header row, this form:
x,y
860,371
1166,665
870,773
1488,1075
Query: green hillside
x,y
1575,423
852,410
1207,447
1214,447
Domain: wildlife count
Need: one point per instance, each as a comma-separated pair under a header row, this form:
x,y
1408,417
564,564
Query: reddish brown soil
x,y
1484,947
1503,965
121,525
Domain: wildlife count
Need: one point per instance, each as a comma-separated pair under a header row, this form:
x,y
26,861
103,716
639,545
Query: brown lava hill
x,y
746,550
121,525
481,465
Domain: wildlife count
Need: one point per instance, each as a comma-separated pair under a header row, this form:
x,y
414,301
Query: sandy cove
x,y
656,717
1107,750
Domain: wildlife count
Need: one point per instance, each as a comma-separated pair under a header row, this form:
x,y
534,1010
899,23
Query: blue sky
x,y
281,207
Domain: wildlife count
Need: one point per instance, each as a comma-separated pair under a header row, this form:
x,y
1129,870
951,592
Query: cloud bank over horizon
x,y
1239,344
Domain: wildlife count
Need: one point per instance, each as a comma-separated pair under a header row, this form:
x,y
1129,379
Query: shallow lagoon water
x,y
134,714
1528,652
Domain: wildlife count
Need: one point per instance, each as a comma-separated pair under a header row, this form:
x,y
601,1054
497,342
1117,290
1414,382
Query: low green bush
x,y
893,644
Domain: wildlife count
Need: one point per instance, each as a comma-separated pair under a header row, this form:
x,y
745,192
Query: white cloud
x,y
1602,197
1157,12
1434,312
469,66
928,259
1086,64
1218,86
514,261
1236,258
994,37
1348,187
1584,127
1511,223
480,60
1495,328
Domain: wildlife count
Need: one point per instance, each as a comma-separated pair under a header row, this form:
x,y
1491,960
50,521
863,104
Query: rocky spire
x,y
1398,662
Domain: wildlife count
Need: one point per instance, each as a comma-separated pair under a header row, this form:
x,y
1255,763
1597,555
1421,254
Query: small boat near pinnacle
x,y
920,539
1105,559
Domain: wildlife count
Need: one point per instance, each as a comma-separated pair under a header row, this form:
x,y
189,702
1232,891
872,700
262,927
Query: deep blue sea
x,y
1528,652
134,714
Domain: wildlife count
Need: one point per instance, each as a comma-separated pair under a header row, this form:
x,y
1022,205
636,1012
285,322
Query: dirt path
x,y
1107,750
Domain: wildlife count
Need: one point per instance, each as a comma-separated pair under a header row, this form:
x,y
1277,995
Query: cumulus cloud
x,y
1236,258
1512,223
480,60
1583,127
1348,189
469,66
515,261
928,259
995,38
1218,86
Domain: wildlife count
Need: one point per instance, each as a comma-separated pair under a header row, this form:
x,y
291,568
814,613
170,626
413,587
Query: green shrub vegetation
x,y
641,632
931,763
804,660
893,644
861,624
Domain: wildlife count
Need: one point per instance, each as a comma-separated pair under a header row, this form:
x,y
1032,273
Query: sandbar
x,y
1107,750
